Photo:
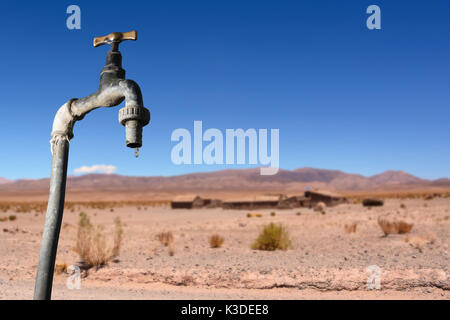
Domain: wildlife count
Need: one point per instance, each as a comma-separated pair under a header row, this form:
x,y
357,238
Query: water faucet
x,y
112,90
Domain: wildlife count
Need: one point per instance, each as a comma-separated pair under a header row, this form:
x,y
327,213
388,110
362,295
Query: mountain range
x,y
231,180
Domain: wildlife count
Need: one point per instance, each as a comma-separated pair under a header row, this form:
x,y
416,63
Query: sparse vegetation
x,y
12,218
41,206
91,242
216,241
402,206
272,237
272,214
166,238
394,226
350,228
171,250
320,207
420,242
251,215
61,268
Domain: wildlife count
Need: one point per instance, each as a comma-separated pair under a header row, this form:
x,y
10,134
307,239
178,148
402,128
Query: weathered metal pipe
x,y
53,218
113,89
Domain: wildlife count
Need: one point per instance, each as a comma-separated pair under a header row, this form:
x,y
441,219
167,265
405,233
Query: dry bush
x,y
404,227
12,217
272,214
171,250
118,237
394,226
272,237
61,268
258,215
216,241
3,219
249,215
320,207
166,238
298,213
420,242
350,228
402,206
91,242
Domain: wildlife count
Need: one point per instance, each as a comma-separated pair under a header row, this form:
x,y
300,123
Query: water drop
x,y
136,152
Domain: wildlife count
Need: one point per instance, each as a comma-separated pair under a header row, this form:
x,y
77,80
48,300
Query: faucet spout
x,y
111,92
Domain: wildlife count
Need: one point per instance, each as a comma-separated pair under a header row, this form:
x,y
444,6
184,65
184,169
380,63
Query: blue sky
x,y
343,97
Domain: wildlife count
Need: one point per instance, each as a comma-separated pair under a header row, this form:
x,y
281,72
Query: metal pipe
x,y
53,218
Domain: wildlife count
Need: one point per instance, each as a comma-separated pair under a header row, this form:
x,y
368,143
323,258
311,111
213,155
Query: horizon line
x,y
221,170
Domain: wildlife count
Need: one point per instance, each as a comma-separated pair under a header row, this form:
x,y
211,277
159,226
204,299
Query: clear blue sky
x,y
344,97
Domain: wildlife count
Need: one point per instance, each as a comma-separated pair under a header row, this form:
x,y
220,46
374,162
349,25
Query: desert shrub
x,y
91,242
216,241
61,268
249,215
166,238
404,227
402,206
320,207
350,228
272,214
258,215
394,226
298,213
272,237
12,217
420,241
171,250
3,219
370,202
118,237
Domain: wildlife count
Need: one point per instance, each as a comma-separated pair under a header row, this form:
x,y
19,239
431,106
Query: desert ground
x,y
323,262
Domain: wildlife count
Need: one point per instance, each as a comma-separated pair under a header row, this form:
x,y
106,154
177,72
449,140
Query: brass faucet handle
x,y
115,38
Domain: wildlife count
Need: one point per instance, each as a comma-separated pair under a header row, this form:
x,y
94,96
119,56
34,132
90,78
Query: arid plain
x,y
326,260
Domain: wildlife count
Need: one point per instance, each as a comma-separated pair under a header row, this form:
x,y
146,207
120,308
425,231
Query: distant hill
x,y
4,180
231,180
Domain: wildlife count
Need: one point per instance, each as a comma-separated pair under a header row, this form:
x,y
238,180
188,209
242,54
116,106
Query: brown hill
x,y
231,180
4,180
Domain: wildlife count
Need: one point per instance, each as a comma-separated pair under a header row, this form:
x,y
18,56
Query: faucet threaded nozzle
x,y
134,118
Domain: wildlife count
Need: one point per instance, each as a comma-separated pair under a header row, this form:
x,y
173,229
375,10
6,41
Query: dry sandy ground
x,y
324,262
